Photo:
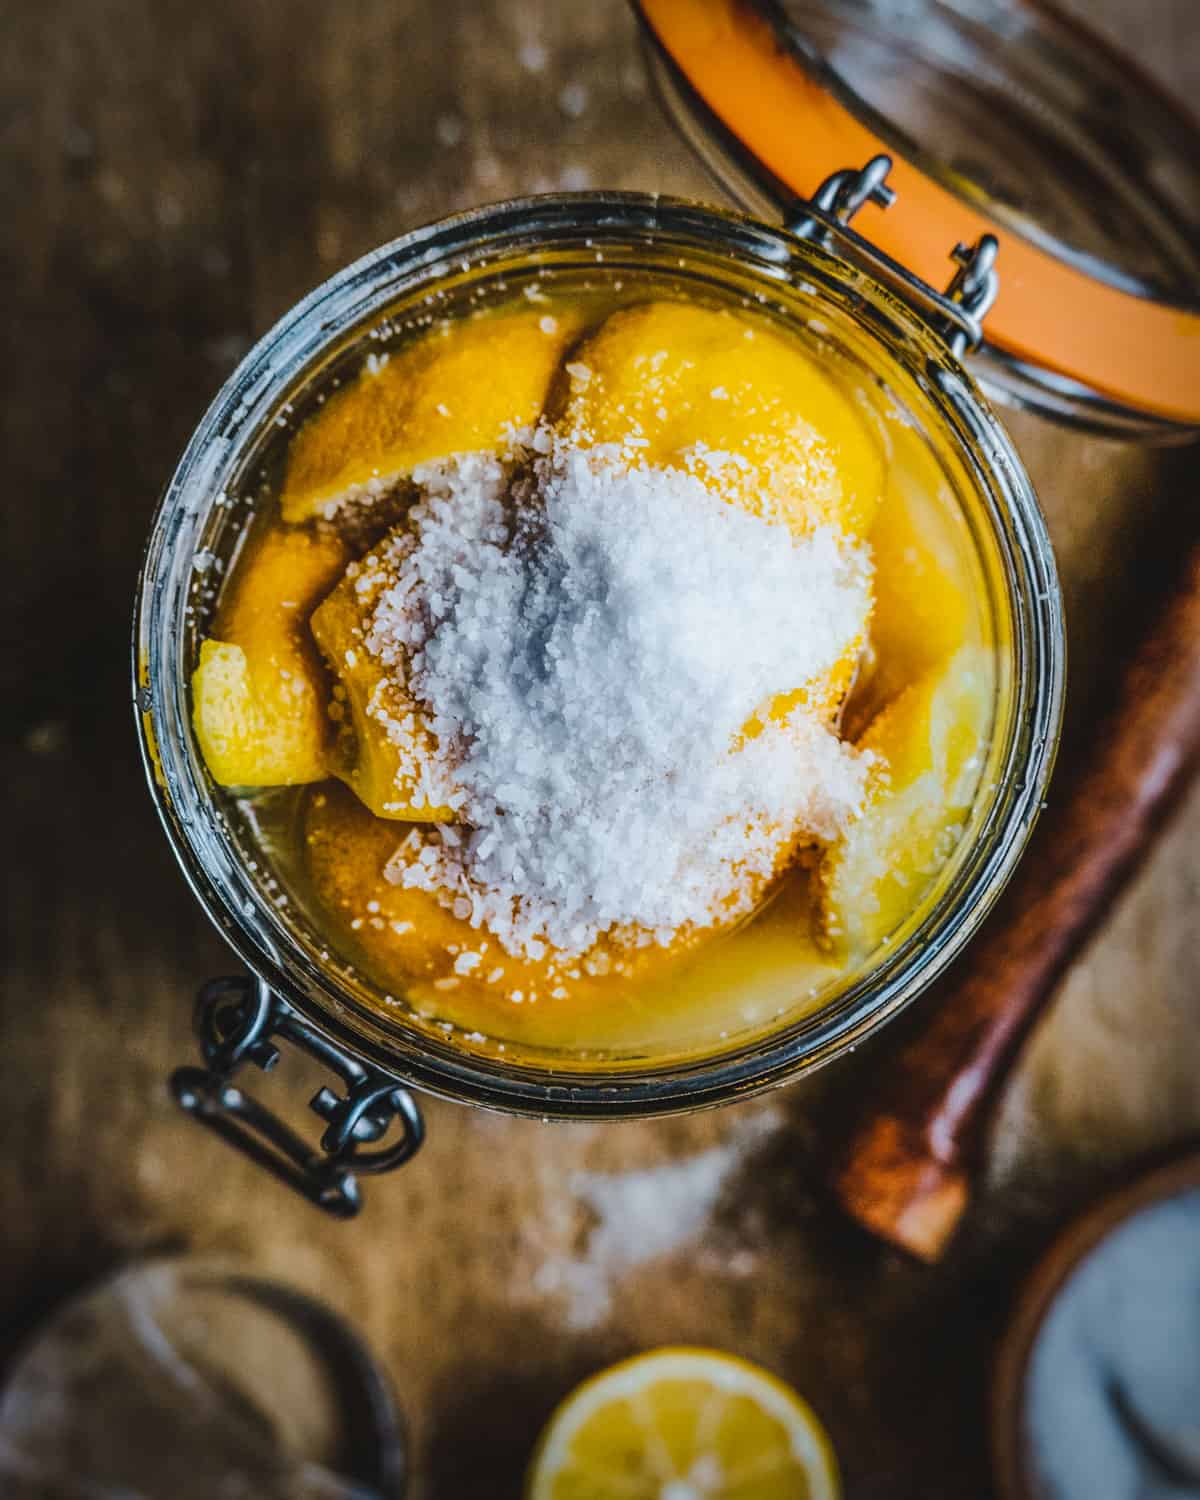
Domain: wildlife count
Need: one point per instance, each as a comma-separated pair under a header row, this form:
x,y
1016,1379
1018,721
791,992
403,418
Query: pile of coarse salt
x,y
588,636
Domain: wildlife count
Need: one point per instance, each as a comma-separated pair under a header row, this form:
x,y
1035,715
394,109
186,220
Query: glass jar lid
x,y
1001,118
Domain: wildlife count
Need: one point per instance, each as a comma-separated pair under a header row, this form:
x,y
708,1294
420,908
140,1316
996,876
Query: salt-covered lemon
x,y
727,399
746,411
682,1423
403,931
424,940
383,748
929,744
259,693
457,390
824,695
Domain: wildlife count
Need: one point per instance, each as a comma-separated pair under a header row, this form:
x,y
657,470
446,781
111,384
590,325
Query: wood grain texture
x,y
174,176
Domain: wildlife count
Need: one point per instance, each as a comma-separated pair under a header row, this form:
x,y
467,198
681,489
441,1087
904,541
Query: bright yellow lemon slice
x,y
683,1424
259,692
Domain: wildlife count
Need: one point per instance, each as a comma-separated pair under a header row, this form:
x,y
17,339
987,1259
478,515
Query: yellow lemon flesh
x,y
455,391
259,693
684,1424
728,400
929,744
922,613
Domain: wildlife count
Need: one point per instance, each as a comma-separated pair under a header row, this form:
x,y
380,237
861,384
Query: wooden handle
x,y
905,1176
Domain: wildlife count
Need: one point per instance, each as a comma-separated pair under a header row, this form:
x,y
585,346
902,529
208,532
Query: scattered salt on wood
x,y
638,1217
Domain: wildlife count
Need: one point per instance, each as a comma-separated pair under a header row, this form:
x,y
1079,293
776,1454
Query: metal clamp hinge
x,y
841,196
973,289
957,313
238,1021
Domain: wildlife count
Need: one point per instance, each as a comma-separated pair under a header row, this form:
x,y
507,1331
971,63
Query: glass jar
x,y
819,279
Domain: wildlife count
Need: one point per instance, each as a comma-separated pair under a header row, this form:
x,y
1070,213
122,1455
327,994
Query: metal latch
x,y
238,1021
957,313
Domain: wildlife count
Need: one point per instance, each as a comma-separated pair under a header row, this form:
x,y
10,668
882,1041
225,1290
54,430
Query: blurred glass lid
x,y
194,1379
1001,116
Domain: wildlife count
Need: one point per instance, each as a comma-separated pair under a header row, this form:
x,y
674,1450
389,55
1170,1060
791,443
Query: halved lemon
x,y
683,1424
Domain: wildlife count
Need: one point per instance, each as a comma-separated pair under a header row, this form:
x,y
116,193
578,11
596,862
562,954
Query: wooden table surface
x,y
174,176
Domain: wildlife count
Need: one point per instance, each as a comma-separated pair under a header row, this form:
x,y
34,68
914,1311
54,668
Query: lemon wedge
x,y
929,746
259,692
457,390
683,1424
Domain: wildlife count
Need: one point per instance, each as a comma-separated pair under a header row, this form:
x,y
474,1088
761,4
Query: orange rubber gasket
x,y
1048,313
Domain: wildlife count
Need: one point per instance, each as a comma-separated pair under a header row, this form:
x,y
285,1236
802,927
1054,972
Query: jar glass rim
x,y
247,403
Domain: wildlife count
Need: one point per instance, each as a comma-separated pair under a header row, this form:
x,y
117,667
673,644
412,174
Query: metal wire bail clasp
x,y
841,196
238,1021
973,289
957,313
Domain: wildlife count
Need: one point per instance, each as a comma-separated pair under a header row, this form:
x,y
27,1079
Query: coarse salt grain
x,y
449,130
573,100
588,637
533,56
